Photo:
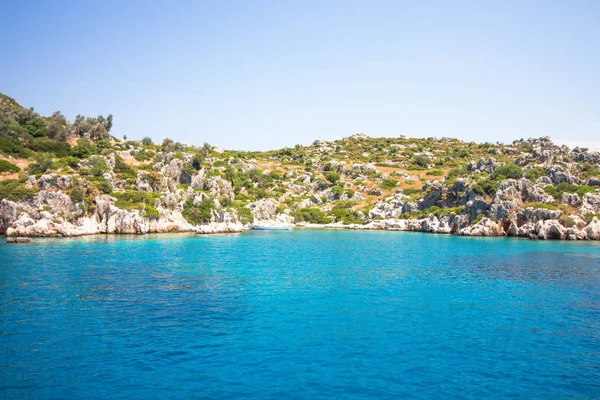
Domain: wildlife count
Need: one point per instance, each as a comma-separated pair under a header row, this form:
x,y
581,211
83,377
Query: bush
x,y
389,184
225,202
344,213
332,177
486,186
567,222
46,145
558,190
105,186
245,215
84,149
435,172
76,195
422,161
455,173
411,191
311,215
43,163
147,141
197,214
133,199
14,190
508,171
99,166
542,205
337,191
6,166
533,174
151,212
126,170
477,219
70,161
143,156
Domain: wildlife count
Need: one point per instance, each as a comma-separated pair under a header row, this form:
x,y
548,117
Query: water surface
x,y
300,314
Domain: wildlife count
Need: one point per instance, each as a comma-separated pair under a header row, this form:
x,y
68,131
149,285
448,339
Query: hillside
x,y
66,179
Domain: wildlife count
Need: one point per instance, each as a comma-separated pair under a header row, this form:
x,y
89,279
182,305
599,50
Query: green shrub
x,y
43,162
84,149
151,212
332,177
567,222
389,184
99,166
422,161
133,199
311,215
14,190
105,186
435,172
197,214
507,171
456,172
344,213
76,195
225,202
245,215
337,191
588,217
124,169
47,145
542,205
591,172
477,219
533,174
411,191
36,127
6,166
486,186
558,190
143,156
70,161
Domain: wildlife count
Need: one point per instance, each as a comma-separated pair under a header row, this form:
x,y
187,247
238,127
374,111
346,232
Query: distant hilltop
x,y
61,178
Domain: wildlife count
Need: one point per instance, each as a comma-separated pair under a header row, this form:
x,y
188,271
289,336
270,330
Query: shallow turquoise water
x,y
301,315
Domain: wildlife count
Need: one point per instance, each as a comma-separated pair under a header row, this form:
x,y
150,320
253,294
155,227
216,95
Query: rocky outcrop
x,y
221,227
590,204
592,231
482,165
485,227
571,199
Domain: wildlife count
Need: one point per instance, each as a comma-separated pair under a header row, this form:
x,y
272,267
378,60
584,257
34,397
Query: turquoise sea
x,y
304,314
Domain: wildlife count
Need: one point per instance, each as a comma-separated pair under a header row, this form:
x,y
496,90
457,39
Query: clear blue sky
x,y
267,74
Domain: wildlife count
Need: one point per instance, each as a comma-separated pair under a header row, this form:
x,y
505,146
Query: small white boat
x,y
271,227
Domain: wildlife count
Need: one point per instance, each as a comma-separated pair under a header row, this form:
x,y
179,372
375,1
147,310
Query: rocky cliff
x,y
88,182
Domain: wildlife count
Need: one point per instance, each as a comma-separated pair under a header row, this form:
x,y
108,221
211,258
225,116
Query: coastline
x,y
542,230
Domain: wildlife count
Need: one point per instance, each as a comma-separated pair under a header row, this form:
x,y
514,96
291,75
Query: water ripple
x,y
306,314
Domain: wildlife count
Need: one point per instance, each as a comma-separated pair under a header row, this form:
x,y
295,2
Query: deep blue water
x,y
299,315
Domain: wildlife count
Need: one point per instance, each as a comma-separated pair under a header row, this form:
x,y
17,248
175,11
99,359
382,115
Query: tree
x,y
147,141
109,123
57,127
125,137
98,132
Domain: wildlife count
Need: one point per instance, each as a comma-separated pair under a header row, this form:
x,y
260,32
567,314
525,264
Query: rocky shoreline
x,y
53,213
